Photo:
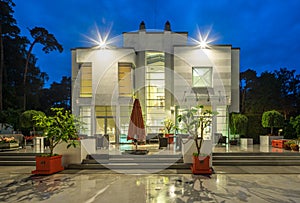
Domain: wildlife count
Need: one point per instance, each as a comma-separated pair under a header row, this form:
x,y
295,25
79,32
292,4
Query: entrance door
x,y
106,125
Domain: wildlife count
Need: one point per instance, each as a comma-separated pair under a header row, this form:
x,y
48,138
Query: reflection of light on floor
x,y
172,191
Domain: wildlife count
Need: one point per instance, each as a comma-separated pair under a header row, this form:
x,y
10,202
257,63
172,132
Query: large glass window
x,y
155,91
202,77
105,122
86,80
124,77
85,118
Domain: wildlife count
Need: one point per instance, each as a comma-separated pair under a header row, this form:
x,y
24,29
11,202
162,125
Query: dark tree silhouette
x,y
8,29
42,36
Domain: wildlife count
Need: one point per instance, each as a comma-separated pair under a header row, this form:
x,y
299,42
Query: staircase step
x,y
255,163
129,166
17,163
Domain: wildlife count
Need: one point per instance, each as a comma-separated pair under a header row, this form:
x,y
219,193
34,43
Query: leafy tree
x,y
26,119
58,95
62,126
11,116
272,119
296,124
42,36
8,29
289,90
248,80
194,120
238,124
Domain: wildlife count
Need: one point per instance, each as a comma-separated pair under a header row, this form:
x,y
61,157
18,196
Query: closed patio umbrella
x,y
136,129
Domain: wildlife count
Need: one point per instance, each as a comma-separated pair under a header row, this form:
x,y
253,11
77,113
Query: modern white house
x,y
167,71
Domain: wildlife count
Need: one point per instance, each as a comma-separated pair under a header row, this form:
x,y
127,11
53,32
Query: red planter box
x,y
278,143
170,138
48,165
201,165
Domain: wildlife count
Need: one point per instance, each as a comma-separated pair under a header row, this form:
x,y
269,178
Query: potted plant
x,y
61,126
27,122
294,147
169,127
271,119
195,121
238,126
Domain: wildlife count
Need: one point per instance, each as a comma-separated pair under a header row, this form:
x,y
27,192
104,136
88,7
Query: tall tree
x,y
8,29
58,95
248,79
42,36
289,90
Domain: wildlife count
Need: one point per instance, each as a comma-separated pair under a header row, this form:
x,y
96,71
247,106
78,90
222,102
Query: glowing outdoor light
x,y
101,40
203,39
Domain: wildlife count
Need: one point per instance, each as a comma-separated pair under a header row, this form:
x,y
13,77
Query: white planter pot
x,y
266,140
246,141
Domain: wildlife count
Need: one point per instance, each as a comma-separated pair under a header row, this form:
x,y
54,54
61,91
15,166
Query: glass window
x,y
85,118
124,77
155,91
86,80
202,77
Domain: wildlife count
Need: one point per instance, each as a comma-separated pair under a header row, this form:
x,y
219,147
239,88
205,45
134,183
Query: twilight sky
x,y
267,31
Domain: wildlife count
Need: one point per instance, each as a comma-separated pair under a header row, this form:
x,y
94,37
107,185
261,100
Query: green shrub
x,y
272,119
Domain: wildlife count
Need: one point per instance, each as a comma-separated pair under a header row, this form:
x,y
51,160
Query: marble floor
x,y
89,186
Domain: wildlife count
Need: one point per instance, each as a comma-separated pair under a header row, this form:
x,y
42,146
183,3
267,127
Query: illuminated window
x,y
86,80
124,77
202,77
85,118
155,90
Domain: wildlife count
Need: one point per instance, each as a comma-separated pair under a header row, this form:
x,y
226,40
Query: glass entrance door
x,y
106,125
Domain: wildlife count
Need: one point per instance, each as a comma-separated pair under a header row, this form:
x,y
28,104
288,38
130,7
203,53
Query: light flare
x,y
101,40
204,39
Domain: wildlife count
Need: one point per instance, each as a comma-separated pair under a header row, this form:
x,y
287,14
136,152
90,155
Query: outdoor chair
x,y
221,139
163,141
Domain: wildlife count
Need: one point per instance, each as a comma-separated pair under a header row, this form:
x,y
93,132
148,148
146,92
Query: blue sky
x,y
267,31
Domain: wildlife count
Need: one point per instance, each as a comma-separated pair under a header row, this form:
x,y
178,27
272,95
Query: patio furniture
x,y
152,137
221,139
163,141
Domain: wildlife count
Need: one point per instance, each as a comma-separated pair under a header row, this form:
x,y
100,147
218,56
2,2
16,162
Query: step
x,y
130,166
17,159
255,154
256,158
17,163
256,163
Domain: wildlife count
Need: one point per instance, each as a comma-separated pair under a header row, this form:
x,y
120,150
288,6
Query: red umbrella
x,y
136,129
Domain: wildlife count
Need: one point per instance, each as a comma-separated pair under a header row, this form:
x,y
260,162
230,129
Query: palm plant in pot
x,y
194,121
169,127
61,126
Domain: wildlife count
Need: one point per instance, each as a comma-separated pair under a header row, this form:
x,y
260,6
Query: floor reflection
x,y
152,188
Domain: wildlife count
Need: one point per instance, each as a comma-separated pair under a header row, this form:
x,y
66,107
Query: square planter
x,y
48,165
266,140
9,145
201,165
246,141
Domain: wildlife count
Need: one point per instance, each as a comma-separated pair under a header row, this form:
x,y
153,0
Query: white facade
x,y
163,70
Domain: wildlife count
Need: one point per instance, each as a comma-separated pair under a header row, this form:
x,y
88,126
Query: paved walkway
x,y
228,184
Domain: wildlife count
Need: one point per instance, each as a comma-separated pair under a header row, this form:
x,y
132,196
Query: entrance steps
x,y
17,159
102,161
131,162
256,159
